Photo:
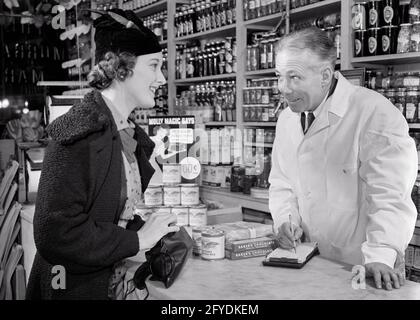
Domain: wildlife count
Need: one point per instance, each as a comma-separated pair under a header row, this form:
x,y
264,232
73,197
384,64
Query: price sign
x,y
190,168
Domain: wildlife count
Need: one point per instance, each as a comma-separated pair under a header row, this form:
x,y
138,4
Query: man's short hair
x,y
313,39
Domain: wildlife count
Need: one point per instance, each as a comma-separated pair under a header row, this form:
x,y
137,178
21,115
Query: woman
x,y
96,167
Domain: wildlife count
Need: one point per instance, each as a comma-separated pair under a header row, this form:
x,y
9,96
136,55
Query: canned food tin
x,y
171,173
144,212
153,195
390,12
358,13
171,195
182,214
198,215
196,237
212,244
389,39
373,36
375,10
189,194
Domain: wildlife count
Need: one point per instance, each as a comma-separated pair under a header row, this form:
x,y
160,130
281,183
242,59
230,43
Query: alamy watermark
x,y
58,281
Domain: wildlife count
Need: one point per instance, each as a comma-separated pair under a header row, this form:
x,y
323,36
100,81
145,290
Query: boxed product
x,y
244,230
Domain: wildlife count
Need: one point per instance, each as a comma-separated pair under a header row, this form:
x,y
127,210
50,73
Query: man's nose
x,y
284,87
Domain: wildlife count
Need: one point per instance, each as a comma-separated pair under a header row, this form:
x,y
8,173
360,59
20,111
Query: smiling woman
x,y
96,168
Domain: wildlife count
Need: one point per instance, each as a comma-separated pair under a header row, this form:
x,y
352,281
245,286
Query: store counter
x,y
249,279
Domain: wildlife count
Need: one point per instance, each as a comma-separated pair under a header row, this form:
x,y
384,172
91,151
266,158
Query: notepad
x,y
288,258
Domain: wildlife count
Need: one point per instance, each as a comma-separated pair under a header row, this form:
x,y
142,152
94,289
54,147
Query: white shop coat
x,y
348,181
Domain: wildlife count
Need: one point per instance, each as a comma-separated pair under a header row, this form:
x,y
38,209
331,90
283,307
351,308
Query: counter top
x,y
249,279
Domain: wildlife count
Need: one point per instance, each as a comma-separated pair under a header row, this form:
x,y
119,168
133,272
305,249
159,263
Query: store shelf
x,y
264,72
270,20
62,83
203,79
226,197
259,124
414,125
401,58
152,8
315,9
225,31
418,223
258,145
220,123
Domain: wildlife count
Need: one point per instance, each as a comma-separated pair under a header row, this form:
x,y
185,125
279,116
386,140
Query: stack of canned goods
x,y
386,27
216,57
260,99
208,242
205,15
259,8
401,88
106,5
181,199
158,23
136,4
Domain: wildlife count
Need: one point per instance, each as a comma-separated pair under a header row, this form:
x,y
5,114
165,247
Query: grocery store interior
x,y
218,109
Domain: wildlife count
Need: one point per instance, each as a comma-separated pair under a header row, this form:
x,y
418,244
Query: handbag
x,y
165,260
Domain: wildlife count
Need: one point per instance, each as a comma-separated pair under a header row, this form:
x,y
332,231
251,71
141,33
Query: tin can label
x,y
171,196
373,44
212,247
198,216
388,14
181,215
358,17
171,173
373,17
190,195
358,46
153,196
385,43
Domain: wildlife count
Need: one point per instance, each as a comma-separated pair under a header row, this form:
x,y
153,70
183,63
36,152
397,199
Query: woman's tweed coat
x,y
79,202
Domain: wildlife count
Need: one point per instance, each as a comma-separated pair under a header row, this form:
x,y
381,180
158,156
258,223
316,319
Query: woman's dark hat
x,y
123,31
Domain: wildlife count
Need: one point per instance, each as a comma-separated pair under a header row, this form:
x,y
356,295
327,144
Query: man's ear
x,y
326,75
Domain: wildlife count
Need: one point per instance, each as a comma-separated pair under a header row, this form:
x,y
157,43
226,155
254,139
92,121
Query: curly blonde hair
x,y
113,66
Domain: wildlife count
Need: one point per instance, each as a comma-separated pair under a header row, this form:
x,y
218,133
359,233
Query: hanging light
x,y
25,110
5,103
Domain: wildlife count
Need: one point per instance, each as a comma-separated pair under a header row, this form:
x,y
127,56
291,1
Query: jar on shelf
x,y
248,57
414,11
412,104
270,54
265,97
411,79
415,37
404,37
255,57
404,12
263,54
400,99
389,36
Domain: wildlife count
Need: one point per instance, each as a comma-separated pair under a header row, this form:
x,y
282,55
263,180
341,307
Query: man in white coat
x,y
343,163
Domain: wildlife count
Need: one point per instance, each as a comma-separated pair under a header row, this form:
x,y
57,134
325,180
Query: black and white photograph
x,y
209,157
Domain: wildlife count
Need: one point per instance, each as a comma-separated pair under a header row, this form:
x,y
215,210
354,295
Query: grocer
x,y
343,164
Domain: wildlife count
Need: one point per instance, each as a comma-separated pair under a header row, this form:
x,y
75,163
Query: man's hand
x,y
285,236
382,273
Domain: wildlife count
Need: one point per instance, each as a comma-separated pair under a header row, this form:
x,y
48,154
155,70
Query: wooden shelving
x,y
220,123
152,8
263,72
259,124
203,79
225,31
414,125
399,58
62,83
315,9
258,145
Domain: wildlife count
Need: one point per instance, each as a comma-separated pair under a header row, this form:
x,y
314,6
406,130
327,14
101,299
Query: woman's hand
x,y
155,228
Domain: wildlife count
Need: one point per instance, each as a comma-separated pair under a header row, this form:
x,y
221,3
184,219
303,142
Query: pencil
x,y
292,231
